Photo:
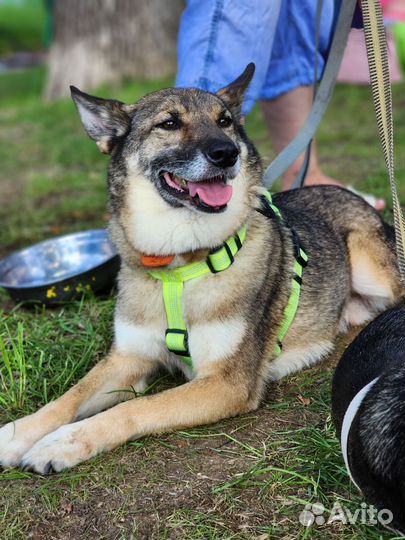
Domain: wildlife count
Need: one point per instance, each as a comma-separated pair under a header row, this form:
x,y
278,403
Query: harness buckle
x,y
177,341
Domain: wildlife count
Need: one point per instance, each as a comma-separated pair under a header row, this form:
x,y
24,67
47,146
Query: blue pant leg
x,y
218,38
293,55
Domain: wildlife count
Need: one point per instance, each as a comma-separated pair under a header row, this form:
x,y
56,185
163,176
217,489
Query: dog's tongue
x,y
211,193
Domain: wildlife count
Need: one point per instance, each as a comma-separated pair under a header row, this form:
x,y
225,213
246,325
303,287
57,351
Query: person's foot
x,y
285,116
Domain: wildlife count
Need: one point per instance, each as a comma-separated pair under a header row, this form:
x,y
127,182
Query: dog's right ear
x,y
105,120
233,94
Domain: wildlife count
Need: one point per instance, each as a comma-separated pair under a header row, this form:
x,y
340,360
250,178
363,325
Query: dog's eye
x,y
169,125
225,121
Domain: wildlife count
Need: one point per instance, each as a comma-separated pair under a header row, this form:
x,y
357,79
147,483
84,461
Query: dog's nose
x,y
222,153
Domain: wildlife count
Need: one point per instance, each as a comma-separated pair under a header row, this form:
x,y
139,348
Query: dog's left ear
x,y
105,120
233,94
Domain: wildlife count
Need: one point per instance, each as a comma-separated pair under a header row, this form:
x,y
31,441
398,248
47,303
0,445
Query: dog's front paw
x,y
61,449
16,438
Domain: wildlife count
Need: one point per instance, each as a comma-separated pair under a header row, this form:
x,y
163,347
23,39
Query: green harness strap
x,y
301,260
218,260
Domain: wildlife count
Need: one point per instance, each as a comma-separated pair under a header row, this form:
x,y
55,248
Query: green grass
x,y
14,377
22,27
249,477
45,351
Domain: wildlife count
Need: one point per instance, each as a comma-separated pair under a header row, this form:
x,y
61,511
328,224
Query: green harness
x,y
218,260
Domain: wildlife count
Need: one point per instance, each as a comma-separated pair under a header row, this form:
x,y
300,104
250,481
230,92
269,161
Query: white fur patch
x,y
59,447
366,284
146,341
61,433
358,312
214,341
296,360
90,119
355,313
18,437
351,412
13,444
158,228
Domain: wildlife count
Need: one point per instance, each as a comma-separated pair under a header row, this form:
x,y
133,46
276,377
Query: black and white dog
x,y
368,402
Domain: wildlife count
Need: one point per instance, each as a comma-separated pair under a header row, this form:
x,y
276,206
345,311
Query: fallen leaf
x,y
305,401
67,508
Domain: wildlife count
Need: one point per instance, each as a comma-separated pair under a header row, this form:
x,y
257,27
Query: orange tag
x,y
156,260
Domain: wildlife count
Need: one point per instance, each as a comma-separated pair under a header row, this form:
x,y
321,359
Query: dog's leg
x,y
198,402
95,392
375,278
293,360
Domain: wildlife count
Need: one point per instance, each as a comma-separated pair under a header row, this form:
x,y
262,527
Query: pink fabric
x,y
354,68
394,10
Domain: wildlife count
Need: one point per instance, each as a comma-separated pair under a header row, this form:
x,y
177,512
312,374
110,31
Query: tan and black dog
x,y
183,178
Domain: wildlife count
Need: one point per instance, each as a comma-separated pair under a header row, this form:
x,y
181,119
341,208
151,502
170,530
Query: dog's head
x,y
181,165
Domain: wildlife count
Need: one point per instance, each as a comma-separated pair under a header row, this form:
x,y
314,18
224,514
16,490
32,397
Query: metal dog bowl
x,y
60,269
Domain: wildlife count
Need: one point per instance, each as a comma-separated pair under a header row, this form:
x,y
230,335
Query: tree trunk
x,y
99,41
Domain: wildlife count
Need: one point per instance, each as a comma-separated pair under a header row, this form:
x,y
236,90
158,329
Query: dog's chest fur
x,y
217,309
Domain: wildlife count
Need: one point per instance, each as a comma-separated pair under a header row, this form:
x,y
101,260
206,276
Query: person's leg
x,y
218,38
285,116
288,90
287,93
